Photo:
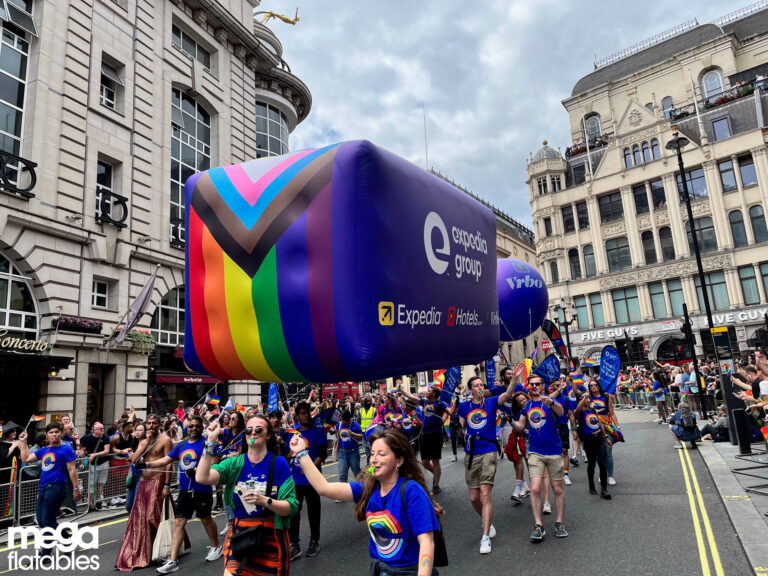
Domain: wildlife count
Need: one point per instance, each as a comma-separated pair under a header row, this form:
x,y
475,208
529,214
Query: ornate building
x,y
115,103
612,232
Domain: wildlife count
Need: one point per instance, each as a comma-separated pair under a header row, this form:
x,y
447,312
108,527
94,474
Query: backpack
x,y
687,421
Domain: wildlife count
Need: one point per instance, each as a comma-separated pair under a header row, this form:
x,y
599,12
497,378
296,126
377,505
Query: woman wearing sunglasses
x,y
248,474
594,439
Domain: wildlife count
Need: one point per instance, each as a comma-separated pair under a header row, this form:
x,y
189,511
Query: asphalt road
x,y
647,528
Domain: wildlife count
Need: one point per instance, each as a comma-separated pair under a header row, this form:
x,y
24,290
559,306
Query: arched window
x,y
589,261
553,272
18,310
712,84
649,249
271,131
649,106
190,153
738,231
574,264
758,223
646,152
668,106
655,149
592,127
636,155
168,320
705,234
617,251
627,158
667,244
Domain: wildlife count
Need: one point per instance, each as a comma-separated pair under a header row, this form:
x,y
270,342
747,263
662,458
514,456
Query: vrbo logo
x,y
60,544
465,265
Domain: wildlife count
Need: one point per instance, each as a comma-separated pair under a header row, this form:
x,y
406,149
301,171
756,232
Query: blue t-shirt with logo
x,y
573,397
316,438
590,423
257,476
346,442
433,416
188,454
54,463
562,399
543,436
481,423
229,442
395,525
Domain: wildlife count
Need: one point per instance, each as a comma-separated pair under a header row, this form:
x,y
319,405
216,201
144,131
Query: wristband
x,y
301,454
167,486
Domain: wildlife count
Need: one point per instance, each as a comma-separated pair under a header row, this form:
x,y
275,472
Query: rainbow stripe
x,y
48,461
385,531
587,362
187,459
476,418
578,380
37,418
537,417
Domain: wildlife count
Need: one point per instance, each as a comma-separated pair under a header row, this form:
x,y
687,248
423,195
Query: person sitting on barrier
x,y
58,462
682,425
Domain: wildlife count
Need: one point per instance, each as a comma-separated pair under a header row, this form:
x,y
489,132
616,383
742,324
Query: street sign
x,y
546,345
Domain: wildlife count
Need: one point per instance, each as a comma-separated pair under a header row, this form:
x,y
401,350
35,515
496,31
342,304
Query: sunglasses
x,y
195,426
258,431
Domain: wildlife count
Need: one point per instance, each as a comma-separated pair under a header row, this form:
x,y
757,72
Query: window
x,y
589,261
190,153
738,231
712,85
764,275
668,106
749,285
641,199
646,152
627,157
618,255
658,304
18,311
553,272
676,298
747,170
582,316
667,244
705,235
717,291
655,149
272,133
721,128
626,305
184,42
541,183
596,303
636,155
649,249
556,184
14,50
547,226
167,323
110,81
574,264
658,197
582,215
592,125
100,294
111,208
758,224
727,176
610,207
697,185
569,225
18,12
579,173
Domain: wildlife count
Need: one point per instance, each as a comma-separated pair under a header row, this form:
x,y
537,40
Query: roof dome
x,y
546,152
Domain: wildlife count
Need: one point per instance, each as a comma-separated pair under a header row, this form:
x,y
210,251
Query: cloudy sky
x,y
490,76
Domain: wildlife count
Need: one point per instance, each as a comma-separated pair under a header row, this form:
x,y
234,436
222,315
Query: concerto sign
x,y
22,344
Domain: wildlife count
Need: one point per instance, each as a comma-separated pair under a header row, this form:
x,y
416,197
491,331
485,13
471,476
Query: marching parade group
x,y
262,469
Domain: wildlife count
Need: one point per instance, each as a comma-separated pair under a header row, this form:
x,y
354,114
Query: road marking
x,y
696,526
737,497
705,516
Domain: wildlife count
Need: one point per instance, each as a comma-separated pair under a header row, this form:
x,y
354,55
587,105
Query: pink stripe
x,y
251,191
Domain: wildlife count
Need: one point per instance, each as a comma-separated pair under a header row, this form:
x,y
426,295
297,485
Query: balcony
x,y
579,148
17,175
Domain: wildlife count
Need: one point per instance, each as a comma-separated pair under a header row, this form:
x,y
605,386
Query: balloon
x,y
342,263
523,299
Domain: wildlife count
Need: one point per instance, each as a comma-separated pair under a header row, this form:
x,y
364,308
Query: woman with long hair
x,y
248,474
392,498
231,443
132,484
594,438
602,405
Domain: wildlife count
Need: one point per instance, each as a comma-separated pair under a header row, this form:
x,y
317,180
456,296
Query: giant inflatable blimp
x,y
523,299
343,263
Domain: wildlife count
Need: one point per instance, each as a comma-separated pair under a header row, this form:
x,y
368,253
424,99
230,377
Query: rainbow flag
x,y
232,405
528,365
212,399
764,430
587,363
439,377
292,431
8,508
37,418
313,394
578,379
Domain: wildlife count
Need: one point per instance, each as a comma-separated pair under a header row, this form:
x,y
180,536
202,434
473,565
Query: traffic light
x,y
621,348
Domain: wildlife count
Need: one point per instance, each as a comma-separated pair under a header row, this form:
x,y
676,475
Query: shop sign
x,y
743,316
546,345
21,344
610,334
669,326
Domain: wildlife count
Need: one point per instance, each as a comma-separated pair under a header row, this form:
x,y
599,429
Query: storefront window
x,y
18,311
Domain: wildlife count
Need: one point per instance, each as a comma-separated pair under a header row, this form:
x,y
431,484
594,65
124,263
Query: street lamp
x,y
565,322
676,145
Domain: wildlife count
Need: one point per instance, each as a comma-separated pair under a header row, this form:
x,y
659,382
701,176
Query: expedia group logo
x,y
439,253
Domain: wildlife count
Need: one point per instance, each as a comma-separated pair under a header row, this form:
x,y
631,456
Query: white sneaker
x,y
583,454
516,493
547,508
224,530
485,545
492,532
168,567
526,491
214,553
453,458
567,480
611,481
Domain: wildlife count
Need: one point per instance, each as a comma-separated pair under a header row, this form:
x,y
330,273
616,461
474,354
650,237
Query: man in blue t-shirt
x,y
431,432
545,453
478,419
193,498
350,435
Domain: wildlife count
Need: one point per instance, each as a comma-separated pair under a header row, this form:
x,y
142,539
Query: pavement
x,y
669,515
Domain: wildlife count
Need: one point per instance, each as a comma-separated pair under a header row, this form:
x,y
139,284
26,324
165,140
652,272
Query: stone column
x,y
761,166
675,211
760,285
644,297
598,244
635,247
733,285
716,205
608,313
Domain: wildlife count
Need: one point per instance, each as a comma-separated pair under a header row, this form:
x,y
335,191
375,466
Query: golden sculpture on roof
x,y
270,15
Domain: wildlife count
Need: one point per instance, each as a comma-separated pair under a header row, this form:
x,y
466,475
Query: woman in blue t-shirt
x,y
229,445
594,439
393,500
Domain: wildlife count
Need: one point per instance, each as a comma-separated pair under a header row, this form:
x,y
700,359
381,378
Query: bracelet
x,y
167,486
301,454
210,444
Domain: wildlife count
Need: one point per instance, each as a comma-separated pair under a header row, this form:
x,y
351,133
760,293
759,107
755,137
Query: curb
x,y
747,521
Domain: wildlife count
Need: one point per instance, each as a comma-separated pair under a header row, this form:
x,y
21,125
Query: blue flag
x,y
610,364
452,377
273,404
549,370
490,372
